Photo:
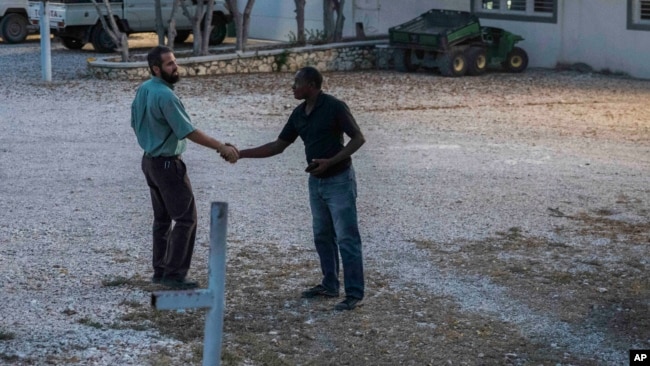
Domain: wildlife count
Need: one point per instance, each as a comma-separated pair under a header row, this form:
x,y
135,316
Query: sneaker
x,y
348,304
317,291
179,283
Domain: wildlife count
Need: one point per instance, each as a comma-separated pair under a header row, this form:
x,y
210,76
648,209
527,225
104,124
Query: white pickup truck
x,y
14,24
77,22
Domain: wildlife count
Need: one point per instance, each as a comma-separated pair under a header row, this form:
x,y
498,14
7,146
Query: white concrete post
x,y
46,52
213,297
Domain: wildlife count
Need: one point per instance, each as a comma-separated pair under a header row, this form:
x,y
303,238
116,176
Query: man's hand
x,y
229,153
321,165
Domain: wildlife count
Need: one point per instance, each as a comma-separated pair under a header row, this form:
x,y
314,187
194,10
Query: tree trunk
x,y
300,19
246,22
171,28
340,18
120,39
236,17
328,20
207,29
196,26
333,27
195,19
241,21
160,28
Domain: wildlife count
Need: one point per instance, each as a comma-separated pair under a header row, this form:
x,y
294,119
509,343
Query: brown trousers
x,y
172,200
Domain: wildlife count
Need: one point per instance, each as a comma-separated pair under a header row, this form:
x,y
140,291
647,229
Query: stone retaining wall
x,y
349,56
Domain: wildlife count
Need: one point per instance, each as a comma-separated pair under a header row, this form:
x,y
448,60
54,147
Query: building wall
x,y
276,19
593,32
379,15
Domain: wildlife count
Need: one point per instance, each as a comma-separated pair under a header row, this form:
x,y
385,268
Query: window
x,y
638,14
516,5
529,10
491,5
644,11
544,6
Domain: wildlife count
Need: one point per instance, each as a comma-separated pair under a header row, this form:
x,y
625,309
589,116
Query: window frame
x,y
529,15
634,21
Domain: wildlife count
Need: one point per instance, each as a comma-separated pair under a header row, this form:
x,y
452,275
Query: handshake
x,y
229,153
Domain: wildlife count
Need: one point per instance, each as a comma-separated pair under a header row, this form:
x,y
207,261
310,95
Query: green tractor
x,y
455,43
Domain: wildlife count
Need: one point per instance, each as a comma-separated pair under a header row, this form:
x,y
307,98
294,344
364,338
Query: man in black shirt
x,y
321,120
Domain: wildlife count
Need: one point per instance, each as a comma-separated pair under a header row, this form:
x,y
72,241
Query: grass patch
x,y
6,336
114,282
569,277
91,323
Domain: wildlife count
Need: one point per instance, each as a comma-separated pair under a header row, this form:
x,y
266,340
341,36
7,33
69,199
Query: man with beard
x,y
161,126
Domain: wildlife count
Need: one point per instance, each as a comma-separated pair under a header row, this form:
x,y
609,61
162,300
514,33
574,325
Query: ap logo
x,y
639,357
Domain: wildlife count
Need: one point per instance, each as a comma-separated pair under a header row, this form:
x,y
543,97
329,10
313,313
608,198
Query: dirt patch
x,y
267,323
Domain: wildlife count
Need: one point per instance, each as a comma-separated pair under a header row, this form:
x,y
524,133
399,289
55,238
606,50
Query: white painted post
x,y
213,297
46,52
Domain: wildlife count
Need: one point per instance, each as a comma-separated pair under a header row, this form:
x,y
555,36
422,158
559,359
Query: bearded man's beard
x,y
170,77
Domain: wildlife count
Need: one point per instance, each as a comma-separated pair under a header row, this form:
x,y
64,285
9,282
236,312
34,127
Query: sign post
x,y
213,297
46,51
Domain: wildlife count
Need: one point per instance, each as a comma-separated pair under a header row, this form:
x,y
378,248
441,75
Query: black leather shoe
x,y
348,304
317,291
179,283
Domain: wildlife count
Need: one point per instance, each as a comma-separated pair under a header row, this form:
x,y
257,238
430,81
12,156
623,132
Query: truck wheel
x,y
476,60
101,40
219,31
13,28
72,43
182,36
453,64
516,61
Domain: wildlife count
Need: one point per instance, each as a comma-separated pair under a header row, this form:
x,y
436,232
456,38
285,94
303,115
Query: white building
x,y
609,35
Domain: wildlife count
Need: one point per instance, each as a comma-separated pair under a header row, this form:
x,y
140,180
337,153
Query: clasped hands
x,y
229,153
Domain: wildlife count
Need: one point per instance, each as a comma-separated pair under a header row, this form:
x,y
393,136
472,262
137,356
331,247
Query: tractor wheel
x,y
453,63
72,43
476,60
516,61
101,40
408,61
403,61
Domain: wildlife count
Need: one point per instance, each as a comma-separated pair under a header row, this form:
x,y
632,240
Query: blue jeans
x,y
334,213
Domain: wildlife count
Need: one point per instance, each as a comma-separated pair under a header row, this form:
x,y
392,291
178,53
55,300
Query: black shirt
x,y
322,130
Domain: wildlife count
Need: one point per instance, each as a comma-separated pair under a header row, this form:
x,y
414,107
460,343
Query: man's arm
x,y
350,148
264,151
199,137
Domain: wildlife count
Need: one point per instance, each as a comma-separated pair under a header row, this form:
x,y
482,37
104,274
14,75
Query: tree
x,y
160,28
171,27
195,19
333,26
120,39
300,19
242,21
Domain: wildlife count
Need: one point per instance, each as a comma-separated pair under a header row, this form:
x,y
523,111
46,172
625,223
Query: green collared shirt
x,y
159,119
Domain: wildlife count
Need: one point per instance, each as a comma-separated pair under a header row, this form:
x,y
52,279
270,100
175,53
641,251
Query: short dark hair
x,y
311,75
154,57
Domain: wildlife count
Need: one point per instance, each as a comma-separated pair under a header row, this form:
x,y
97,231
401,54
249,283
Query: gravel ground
x,y
505,219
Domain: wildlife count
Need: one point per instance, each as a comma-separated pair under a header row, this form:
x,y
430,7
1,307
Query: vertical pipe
x,y
46,53
216,284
